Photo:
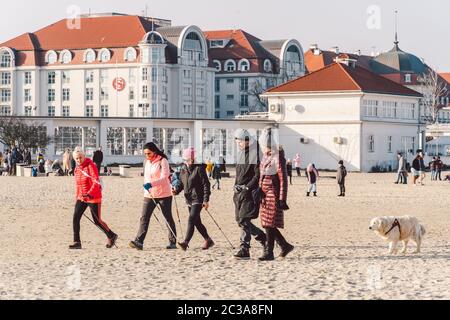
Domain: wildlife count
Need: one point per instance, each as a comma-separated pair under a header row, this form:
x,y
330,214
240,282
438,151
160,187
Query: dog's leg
x,y
418,244
405,246
393,247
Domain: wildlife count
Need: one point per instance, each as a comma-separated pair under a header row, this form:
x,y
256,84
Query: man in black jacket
x,y
246,192
98,159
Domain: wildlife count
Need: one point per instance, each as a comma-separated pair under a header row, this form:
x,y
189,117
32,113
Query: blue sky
x,y
350,24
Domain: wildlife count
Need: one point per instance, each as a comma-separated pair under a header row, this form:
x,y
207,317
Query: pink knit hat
x,y
189,154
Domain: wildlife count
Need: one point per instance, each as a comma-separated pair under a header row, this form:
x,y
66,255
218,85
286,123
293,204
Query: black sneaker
x,y
286,250
75,246
112,241
172,246
183,245
268,256
136,245
243,254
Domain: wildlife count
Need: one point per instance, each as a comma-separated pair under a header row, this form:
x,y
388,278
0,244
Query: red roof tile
x,y
315,62
339,77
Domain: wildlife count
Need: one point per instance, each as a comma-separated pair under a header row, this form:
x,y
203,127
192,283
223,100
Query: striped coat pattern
x,y
273,182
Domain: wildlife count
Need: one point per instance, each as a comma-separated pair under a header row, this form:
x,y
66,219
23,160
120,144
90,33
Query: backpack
x,y
34,172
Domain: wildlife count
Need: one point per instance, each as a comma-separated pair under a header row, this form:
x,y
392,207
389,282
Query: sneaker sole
x,y
133,246
241,258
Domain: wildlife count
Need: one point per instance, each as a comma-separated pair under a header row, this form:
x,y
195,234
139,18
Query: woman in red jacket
x,y
89,194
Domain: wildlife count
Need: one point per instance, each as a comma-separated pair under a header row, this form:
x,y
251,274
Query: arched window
x,y
192,48
217,65
130,54
51,57
105,55
293,61
267,65
5,59
89,56
65,57
153,37
244,65
230,66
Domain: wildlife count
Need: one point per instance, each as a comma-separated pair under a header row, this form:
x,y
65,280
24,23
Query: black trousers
x,y
147,211
96,212
273,234
99,166
299,173
248,229
195,221
342,188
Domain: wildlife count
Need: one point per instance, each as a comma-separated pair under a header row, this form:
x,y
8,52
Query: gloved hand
x,y
282,205
147,186
87,197
239,188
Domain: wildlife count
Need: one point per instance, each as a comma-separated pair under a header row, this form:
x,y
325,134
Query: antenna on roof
x,y
396,28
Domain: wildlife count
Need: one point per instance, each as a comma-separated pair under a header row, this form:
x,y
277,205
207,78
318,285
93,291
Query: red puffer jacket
x,y
87,182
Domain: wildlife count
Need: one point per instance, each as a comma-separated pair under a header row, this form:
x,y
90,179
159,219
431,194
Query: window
x,y
187,108
164,76
217,65
51,111
187,91
217,85
389,144
65,77
217,102
5,110
230,113
66,94
51,95
154,92
200,75
370,108
216,43
89,111
230,97
104,95
89,76
65,111
27,95
244,84
131,111
388,109
200,92
154,74
144,74
244,65
115,141
103,76
371,143
144,92
217,114
154,110
164,111
28,78
89,56
89,94
51,57
200,109
145,109
136,139
51,77
267,65
66,57
6,78
105,55
187,74
104,111
244,100
28,111
131,93
132,75
407,78
155,55
71,137
230,66
130,54
230,81
5,95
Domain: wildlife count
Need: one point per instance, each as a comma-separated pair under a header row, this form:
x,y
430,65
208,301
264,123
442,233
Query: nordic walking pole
x,y
97,227
178,214
220,228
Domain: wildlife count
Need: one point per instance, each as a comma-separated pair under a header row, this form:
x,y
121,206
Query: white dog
x,y
395,229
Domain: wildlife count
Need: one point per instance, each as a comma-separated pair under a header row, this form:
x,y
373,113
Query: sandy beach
x,y
336,256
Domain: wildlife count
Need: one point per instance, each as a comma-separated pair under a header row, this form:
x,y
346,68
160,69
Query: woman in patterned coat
x,y
274,186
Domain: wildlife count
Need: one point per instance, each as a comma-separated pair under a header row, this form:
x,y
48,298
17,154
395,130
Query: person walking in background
x,y
157,191
209,168
197,190
217,175
27,157
402,173
422,168
47,167
98,158
246,192
289,170
88,194
274,185
14,160
340,177
439,166
415,169
297,164
432,166
67,162
312,175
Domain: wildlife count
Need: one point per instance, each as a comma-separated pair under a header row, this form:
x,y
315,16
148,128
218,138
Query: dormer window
x,y
130,54
51,57
230,66
407,78
216,43
217,65
66,57
244,65
89,56
105,55
267,65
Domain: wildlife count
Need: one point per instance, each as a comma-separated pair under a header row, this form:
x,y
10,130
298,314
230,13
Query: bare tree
x,y
256,90
433,90
16,131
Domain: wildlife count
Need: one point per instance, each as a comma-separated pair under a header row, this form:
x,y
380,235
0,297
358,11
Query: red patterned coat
x,y
273,182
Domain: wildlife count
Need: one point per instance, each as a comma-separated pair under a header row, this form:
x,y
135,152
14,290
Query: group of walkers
x,y
260,190
418,169
13,157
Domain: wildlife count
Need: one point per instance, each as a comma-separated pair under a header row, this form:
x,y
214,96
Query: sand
x,y
336,256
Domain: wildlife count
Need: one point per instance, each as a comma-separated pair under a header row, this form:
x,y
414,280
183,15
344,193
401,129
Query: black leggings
x,y
96,211
195,221
147,211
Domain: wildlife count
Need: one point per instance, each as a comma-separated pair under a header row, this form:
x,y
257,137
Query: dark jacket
x,y
27,158
422,164
289,170
247,174
195,183
217,172
98,157
341,174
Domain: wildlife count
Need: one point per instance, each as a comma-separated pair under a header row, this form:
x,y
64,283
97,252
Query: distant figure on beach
x,y
27,157
418,168
98,158
289,169
67,162
312,175
432,165
402,173
197,190
274,185
340,177
209,168
47,167
247,192
217,175
157,192
439,166
415,169
297,164
88,194
14,160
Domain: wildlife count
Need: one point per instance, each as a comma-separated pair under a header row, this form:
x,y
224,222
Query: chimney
x,y
335,50
315,49
358,52
348,62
